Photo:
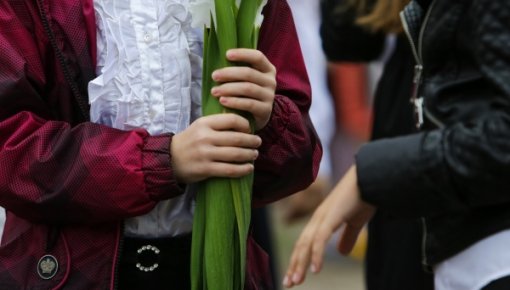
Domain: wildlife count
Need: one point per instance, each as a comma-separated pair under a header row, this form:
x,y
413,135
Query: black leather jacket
x,y
456,172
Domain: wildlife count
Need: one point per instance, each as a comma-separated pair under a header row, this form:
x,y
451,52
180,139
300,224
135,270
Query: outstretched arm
x,y
343,208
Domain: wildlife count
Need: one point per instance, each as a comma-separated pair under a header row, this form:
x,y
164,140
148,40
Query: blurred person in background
x,y
453,172
393,255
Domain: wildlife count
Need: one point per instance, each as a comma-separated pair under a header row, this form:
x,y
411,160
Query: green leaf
x,y
220,225
226,26
241,194
223,206
245,22
210,104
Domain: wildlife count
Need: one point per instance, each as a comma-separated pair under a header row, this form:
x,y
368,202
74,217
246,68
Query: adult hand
x,y
217,145
248,88
342,207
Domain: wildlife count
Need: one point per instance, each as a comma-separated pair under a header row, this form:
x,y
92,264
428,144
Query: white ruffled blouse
x,y
149,76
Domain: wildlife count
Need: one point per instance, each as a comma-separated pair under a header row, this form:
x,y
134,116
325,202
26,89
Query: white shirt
x,y
149,76
475,267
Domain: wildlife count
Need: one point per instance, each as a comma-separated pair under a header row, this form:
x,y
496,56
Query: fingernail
x,y
214,91
296,278
214,76
313,268
286,281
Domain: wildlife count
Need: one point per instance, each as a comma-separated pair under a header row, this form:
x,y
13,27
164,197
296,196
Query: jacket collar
x,y
413,14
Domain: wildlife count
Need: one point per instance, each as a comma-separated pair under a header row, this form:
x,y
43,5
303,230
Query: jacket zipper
x,y
117,256
424,261
84,110
62,60
418,102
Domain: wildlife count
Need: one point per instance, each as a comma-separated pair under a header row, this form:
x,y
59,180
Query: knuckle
x,y
202,138
247,73
251,89
247,168
247,155
237,140
200,121
272,83
233,118
259,56
229,119
230,171
242,123
273,69
201,153
238,156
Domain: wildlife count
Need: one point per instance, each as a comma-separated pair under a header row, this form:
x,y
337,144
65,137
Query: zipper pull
x,y
417,74
418,108
415,100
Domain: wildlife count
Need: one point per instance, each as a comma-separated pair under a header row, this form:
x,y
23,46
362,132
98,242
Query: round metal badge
x,y
47,267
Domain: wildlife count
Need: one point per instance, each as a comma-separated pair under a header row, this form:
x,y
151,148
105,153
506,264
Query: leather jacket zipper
x,y
420,109
424,262
418,101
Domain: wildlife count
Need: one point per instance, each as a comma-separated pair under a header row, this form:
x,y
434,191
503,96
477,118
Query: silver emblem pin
x,y
47,267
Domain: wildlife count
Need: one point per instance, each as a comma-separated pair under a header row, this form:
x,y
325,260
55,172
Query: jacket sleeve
x,y
54,173
465,164
290,152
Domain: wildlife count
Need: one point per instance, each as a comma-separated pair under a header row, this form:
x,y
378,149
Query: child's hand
x,y
342,207
218,145
247,88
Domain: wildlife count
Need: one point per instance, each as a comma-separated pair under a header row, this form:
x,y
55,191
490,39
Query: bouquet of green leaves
x,y
223,205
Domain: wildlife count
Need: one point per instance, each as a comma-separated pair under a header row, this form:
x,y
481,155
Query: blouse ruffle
x,y
148,66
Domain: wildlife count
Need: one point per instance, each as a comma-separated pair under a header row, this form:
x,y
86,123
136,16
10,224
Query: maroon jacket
x,y
67,184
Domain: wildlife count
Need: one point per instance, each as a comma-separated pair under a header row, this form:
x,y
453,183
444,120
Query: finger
x,y
228,121
246,89
303,250
251,56
236,139
234,155
258,109
245,74
300,258
321,237
299,262
228,170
